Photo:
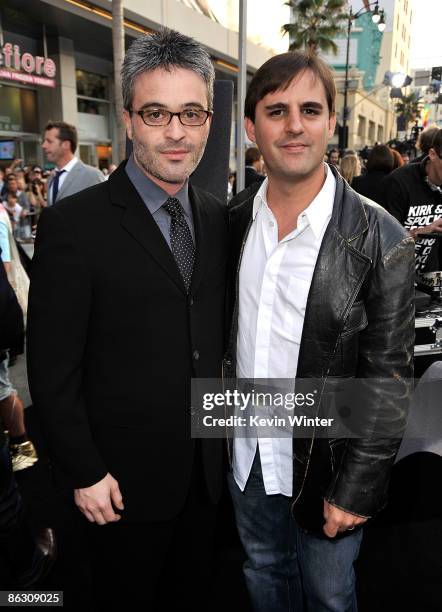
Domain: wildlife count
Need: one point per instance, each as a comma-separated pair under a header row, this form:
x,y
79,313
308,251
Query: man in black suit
x,y
253,168
126,306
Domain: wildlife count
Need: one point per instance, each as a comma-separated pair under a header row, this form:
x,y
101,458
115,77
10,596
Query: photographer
x,y
36,193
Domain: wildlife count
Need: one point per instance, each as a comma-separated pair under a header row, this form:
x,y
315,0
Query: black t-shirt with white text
x,y
414,203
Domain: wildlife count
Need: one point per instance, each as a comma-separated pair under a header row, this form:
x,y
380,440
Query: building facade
x,y
371,55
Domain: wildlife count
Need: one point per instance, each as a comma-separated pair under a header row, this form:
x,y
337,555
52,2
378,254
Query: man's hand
x,y
95,502
436,226
338,520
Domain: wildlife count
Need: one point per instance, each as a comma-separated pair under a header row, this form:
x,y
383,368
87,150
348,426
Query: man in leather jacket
x,y
321,286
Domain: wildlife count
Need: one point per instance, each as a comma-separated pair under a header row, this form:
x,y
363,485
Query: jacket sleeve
x,y
59,306
386,349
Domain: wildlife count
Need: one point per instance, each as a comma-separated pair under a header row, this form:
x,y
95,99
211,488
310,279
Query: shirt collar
x,y
319,210
69,165
152,195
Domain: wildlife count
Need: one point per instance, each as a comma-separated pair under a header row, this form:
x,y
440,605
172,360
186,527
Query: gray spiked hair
x,y
165,49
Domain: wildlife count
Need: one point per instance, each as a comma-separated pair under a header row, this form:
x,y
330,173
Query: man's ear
x,y
432,154
331,125
250,129
128,123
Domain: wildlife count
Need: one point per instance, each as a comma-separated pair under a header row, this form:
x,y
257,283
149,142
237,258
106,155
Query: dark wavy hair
x,y
279,71
380,158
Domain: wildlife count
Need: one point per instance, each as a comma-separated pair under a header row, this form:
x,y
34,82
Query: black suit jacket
x,y
372,186
251,176
114,339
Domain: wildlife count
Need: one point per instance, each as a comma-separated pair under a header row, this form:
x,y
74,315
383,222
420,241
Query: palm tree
x,y
315,24
409,109
118,52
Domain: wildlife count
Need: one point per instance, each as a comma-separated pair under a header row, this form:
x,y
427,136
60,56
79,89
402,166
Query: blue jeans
x,y
287,569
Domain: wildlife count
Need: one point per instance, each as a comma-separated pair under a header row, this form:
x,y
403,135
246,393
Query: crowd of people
x,y
409,188
24,194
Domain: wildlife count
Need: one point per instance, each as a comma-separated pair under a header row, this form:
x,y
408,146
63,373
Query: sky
x,y
426,43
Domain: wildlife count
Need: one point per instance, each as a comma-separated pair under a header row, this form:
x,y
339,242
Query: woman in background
x,y
380,163
398,161
350,167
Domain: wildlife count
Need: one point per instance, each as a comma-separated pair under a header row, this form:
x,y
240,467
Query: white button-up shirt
x,y
274,281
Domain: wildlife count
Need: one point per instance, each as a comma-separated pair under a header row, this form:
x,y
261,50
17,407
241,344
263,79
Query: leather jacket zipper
x,y
355,292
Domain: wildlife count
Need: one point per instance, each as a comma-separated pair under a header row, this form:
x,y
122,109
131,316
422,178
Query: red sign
x,y
26,68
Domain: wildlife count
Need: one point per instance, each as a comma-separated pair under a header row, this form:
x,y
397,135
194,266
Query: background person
x,y
424,143
23,451
71,174
253,172
349,167
413,195
379,164
333,157
397,157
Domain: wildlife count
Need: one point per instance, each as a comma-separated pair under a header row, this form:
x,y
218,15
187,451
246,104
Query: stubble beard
x,y
150,160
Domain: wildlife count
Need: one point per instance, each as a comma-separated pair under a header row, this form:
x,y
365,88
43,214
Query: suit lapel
x,y
329,302
72,174
339,273
140,224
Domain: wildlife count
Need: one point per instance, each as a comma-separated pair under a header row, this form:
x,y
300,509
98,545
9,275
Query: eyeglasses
x,y
161,117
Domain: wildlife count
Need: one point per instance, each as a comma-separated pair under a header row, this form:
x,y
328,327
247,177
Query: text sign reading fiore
x,y
26,67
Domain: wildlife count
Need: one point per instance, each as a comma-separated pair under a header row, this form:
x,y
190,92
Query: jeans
x,y
288,569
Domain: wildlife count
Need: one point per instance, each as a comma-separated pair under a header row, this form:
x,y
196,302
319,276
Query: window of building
x,y
380,137
361,127
18,111
92,85
94,116
371,131
397,22
395,51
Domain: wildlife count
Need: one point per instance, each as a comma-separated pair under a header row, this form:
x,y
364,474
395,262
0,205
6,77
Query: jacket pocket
x,y
356,320
337,449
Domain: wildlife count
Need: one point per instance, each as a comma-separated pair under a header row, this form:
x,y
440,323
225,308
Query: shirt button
x,y
271,224
190,301
192,411
196,355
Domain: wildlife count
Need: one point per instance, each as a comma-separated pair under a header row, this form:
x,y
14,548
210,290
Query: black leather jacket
x,y
359,322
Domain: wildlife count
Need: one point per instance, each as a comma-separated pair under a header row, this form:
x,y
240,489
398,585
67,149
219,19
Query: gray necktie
x,y
181,241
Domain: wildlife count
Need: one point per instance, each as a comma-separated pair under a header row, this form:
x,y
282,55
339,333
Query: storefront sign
x,y
26,68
